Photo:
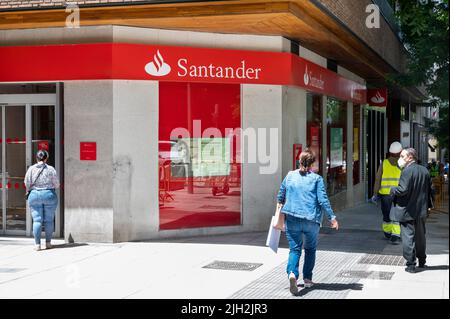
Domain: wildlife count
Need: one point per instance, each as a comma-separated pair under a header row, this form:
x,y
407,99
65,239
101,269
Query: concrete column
x,y
135,160
88,117
349,159
324,139
294,124
261,110
114,198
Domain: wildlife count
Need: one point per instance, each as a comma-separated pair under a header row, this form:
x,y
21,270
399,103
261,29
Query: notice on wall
x,y
43,145
315,146
88,151
336,147
209,156
355,144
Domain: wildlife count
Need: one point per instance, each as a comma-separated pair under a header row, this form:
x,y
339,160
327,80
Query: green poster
x,y
336,147
209,156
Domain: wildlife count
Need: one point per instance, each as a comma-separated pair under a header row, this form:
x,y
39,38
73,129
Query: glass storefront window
x,y
336,145
356,145
199,174
314,124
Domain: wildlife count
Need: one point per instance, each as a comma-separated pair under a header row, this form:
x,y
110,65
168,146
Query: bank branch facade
x,y
159,133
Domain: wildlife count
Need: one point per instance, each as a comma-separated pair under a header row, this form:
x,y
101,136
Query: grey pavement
x,y
355,262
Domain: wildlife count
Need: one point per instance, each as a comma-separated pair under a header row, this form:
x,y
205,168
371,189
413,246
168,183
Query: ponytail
x,y
307,159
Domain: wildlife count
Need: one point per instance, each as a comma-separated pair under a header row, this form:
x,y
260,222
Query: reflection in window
x,y
199,175
336,146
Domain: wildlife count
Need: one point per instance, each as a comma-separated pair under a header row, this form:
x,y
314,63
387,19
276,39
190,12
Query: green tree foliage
x,y
424,26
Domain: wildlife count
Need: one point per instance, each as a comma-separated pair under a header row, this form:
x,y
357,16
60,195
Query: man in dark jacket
x,y
412,198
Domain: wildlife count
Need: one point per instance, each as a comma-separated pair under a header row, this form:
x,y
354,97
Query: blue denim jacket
x,y
304,196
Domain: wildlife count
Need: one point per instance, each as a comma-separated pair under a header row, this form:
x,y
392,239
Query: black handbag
x,y
27,194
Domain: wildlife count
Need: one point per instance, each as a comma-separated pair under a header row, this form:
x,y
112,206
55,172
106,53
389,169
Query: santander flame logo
x,y
378,98
306,76
157,67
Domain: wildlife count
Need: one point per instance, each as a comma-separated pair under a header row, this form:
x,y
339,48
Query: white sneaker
x,y
37,247
293,284
308,283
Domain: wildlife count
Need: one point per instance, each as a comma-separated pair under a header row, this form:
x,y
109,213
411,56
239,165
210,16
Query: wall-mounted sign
x,y
88,151
315,146
377,97
106,61
43,145
336,147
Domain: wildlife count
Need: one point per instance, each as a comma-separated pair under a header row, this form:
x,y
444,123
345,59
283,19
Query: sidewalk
x,y
354,262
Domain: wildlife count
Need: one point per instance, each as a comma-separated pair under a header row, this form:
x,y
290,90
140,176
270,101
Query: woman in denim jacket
x,y
302,196
41,180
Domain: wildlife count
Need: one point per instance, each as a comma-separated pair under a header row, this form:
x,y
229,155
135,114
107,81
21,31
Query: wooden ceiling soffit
x,y
296,19
128,13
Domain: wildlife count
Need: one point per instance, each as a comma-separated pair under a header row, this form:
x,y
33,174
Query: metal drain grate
x,y
380,275
232,265
10,270
382,260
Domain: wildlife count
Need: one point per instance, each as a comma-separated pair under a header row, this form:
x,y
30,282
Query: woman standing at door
x,y
42,181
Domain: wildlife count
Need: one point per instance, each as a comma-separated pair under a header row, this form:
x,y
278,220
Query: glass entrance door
x,y
14,168
24,129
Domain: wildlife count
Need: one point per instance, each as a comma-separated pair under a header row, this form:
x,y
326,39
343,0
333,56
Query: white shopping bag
x,y
273,237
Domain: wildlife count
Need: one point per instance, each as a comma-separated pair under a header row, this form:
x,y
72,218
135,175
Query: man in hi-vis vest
x,y
388,176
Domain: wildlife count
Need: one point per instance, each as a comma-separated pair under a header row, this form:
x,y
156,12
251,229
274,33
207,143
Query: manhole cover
x,y
380,275
232,265
382,260
10,270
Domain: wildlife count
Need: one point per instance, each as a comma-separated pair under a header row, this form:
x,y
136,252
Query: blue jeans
x,y
297,230
43,206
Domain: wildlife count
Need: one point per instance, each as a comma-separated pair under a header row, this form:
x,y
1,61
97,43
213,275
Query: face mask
x,y
401,162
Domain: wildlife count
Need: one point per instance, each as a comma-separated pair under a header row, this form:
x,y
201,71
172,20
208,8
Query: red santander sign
x,y
104,61
377,97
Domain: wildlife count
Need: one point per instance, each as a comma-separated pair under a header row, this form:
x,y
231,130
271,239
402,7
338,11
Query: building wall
x,y
135,160
350,75
88,116
405,131
313,57
294,124
109,33
262,107
350,195
116,197
382,40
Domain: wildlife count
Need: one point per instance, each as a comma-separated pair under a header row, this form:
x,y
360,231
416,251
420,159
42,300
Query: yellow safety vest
x,y
390,178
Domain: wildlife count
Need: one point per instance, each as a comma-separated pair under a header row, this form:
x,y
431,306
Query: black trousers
x,y
386,204
413,240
